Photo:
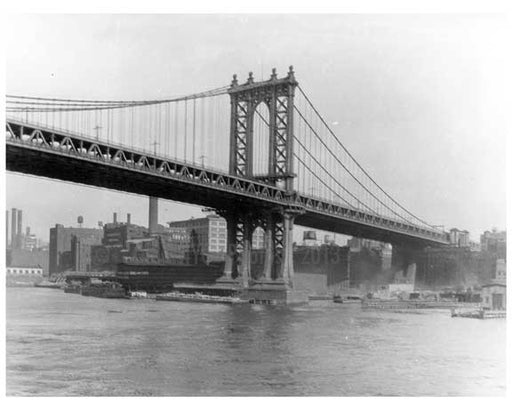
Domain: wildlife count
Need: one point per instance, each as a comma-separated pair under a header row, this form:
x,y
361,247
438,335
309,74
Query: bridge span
x,y
283,166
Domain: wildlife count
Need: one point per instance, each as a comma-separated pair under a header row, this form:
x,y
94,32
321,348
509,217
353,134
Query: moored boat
x,y
199,298
72,289
104,290
320,297
49,285
347,299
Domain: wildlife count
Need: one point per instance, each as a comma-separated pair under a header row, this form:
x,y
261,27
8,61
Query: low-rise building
x,y
25,257
501,270
494,296
24,270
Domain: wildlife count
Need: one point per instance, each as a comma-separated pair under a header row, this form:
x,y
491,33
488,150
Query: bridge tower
x,y
278,96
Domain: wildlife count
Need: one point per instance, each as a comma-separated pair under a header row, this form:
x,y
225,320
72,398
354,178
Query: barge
x,y
199,298
389,304
479,313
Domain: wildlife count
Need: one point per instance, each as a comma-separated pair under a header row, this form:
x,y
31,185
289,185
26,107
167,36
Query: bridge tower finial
x,y
273,76
234,82
250,80
291,74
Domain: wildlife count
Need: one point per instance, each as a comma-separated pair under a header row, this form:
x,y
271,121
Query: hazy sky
x,y
418,99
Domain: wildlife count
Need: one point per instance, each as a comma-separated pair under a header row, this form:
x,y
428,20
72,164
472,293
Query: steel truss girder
x,y
42,139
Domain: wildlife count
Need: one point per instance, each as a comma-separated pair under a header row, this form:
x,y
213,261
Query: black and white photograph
x,y
255,205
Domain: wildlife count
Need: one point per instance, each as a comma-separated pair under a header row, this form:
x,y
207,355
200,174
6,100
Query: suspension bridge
x,y
257,152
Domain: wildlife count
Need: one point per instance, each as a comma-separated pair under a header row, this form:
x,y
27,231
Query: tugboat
x,y
102,289
72,288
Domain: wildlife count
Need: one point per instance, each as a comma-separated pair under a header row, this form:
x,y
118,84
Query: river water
x,y
68,345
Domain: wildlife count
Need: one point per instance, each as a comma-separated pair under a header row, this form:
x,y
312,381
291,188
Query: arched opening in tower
x,y
261,140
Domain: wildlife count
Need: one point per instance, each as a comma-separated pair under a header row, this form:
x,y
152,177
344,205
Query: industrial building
x,y
24,270
118,233
17,239
30,240
60,245
22,248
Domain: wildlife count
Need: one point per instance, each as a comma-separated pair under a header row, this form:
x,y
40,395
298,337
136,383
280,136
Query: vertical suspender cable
x,y
185,133
176,129
168,130
194,133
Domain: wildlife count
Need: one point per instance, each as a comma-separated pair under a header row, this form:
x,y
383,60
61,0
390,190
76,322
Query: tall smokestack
x,y
153,214
6,228
13,228
128,219
115,217
19,233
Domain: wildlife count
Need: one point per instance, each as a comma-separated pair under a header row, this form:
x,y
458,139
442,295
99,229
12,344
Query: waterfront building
x,y
494,296
116,240
80,254
454,267
494,242
148,248
211,234
105,258
60,245
24,270
117,234
501,270
459,238
25,257
494,293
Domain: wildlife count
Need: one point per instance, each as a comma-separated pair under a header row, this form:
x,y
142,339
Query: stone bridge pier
x,y
404,261
274,285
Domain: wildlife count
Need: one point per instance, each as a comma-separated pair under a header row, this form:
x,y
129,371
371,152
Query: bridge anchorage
x,y
276,280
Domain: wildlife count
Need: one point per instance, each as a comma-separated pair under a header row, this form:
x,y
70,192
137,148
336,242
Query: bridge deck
x,y
56,154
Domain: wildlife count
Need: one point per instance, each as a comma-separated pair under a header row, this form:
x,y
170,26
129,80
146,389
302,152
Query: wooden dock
x,y
415,304
479,313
